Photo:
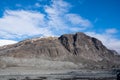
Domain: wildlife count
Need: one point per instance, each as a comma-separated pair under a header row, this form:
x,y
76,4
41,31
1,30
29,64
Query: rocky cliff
x,y
80,49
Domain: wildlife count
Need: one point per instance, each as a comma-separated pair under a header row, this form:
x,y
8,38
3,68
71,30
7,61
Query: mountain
x,y
67,51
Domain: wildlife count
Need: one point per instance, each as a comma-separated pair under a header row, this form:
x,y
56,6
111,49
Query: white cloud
x,y
6,42
111,31
108,40
60,18
78,20
55,13
57,7
21,23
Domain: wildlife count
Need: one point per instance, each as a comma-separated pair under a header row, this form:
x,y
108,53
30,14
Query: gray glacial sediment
x,y
57,75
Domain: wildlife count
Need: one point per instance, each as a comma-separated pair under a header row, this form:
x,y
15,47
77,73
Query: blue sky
x,y
21,19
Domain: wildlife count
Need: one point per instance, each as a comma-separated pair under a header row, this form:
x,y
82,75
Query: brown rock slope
x,y
77,48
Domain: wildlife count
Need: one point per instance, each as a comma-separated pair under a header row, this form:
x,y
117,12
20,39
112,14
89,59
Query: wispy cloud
x,y
62,20
56,20
111,31
78,21
55,14
22,23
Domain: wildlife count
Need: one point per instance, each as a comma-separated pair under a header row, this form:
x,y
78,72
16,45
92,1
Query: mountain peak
x,y
78,48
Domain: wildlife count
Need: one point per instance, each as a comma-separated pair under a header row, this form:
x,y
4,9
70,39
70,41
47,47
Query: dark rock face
x,y
81,44
77,48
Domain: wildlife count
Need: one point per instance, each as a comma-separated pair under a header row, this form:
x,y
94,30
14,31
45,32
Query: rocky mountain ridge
x,y
77,48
